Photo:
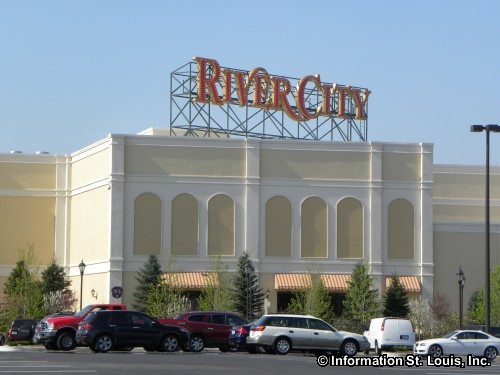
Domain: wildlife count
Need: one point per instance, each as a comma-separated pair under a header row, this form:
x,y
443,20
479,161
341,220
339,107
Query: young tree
x,y
248,298
54,278
420,317
216,295
24,294
476,302
396,299
312,298
166,299
149,275
361,303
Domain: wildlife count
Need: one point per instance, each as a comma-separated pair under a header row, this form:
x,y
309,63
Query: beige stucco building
x,y
289,204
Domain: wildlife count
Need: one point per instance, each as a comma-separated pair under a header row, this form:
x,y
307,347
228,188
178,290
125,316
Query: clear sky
x,y
72,72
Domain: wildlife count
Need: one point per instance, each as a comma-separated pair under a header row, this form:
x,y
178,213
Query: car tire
x,y
282,346
92,347
170,344
378,350
2,341
490,353
435,351
196,343
66,341
104,343
349,348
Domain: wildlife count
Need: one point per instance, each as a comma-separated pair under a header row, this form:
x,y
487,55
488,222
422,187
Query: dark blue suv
x,y
107,330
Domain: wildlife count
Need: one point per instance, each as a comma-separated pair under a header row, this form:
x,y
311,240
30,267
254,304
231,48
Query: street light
x,y
461,282
488,129
81,266
249,273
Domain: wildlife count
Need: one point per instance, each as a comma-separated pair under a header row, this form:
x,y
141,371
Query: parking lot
x,y
37,360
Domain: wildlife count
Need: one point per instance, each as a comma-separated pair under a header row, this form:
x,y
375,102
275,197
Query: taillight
x,y
85,326
242,331
383,323
258,328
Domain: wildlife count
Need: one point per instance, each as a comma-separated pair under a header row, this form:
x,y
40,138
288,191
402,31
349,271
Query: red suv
x,y
209,329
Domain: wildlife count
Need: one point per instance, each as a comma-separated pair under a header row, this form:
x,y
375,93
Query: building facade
x,y
292,205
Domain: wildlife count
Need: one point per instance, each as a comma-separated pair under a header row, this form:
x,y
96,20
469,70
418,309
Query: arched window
x,y
350,229
278,227
184,225
401,239
147,224
221,215
313,228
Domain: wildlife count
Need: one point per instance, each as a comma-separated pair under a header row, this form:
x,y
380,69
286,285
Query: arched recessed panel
x,y
147,224
184,225
313,228
350,229
221,213
278,227
401,238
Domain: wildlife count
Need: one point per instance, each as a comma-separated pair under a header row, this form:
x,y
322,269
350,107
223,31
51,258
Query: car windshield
x,y
83,311
21,322
448,335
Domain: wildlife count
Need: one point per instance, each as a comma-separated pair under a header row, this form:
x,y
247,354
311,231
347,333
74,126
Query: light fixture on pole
x,y
81,266
461,282
488,129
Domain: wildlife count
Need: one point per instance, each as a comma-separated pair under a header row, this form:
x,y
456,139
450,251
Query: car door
x,y
299,332
481,342
217,329
120,325
462,343
323,335
146,330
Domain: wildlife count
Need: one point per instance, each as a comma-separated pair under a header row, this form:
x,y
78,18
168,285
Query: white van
x,y
388,332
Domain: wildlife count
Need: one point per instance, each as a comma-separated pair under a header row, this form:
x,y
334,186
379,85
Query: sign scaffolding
x,y
207,100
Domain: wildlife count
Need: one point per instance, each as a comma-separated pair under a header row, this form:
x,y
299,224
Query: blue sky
x,y
72,72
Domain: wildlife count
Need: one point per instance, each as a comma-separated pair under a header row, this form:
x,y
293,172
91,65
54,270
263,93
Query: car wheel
x,y
104,343
378,350
66,341
490,353
282,345
435,351
196,343
349,348
149,348
170,343
2,341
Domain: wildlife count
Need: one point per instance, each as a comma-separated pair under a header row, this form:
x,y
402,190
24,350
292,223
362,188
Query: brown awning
x,y
190,280
410,283
336,281
292,281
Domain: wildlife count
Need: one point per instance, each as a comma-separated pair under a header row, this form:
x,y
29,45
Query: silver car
x,y
282,333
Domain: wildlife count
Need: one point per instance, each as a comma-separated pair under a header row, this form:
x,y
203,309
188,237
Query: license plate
x,y
14,332
233,332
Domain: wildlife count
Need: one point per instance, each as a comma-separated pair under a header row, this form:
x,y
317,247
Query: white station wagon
x,y
283,332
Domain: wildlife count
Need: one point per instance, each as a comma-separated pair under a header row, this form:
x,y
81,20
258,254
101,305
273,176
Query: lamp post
x,y
81,266
249,272
461,282
488,129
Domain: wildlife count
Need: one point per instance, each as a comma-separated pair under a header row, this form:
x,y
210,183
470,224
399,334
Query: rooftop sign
x,y
205,98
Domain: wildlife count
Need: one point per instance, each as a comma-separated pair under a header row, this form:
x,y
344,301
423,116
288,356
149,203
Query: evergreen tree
x,y
248,298
149,275
216,295
396,299
54,278
361,303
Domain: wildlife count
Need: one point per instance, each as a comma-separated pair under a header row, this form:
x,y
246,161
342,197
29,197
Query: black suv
x,y
22,329
108,330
